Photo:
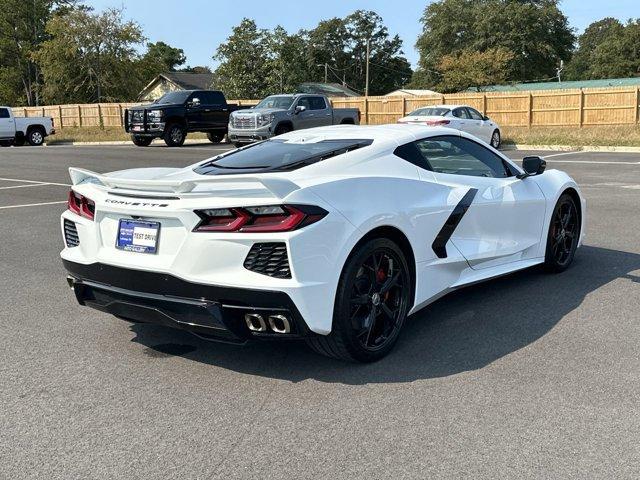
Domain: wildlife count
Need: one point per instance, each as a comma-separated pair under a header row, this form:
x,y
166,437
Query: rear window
x,y
4,113
429,112
278,156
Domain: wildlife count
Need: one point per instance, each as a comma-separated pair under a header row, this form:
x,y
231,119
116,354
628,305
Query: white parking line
x,y
31,204
26,186
558,154
19,180
596,162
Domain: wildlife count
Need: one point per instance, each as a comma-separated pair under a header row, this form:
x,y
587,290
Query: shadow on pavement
x,y
463,331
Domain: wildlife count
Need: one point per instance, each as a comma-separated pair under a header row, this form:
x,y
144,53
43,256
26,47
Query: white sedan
x,y
460,117
333,235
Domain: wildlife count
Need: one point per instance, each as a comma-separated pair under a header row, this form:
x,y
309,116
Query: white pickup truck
x,y
17,130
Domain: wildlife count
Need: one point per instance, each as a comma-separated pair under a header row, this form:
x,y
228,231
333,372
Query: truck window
x,y
211,98
4,113
317,103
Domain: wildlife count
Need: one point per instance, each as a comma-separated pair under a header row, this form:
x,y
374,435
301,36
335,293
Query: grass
x,y
96,134
608,135
605,135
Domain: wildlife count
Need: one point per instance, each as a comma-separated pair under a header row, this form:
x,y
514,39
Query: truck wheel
x,y
174,135
215,137
19,141
35,137
141,141
5,143
282,129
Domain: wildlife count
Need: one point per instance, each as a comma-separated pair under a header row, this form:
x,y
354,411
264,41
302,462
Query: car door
x,y
7,126
483,129
195,110
502,216
214,112
313,115
460,120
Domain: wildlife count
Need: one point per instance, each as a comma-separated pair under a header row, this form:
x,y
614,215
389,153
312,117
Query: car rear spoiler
x,y
279,187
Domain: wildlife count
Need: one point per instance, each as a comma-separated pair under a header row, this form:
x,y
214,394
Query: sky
x,y
199,26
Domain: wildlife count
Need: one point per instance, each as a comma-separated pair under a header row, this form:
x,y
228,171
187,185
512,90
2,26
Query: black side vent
x,y
269,259
71,234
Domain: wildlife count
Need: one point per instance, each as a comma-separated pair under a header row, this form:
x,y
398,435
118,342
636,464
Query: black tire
x,y
282,129
174,135
141,141
563,235
19,141
5,143
35,136
372,302
238,144
496,139
215,137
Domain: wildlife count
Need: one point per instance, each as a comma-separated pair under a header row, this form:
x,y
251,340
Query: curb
x,y
188,141
570,148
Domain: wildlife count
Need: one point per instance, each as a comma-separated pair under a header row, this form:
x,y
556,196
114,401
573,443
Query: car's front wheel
x,y
563,235
175,135
141,141
495,139
215,137
372,303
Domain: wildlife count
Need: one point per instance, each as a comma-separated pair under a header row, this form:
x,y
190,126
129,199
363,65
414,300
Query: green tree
x,y
607,49
535,31
286,65
91,57
170,57
469,68
243,70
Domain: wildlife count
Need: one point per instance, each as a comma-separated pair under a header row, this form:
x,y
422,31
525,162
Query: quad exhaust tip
x,y
277,323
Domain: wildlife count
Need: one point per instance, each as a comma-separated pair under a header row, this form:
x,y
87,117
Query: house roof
x,y
406,92
190,81
328,89
608,82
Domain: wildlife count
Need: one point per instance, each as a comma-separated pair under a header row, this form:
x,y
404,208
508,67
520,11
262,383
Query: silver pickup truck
x,y
278,114
17,130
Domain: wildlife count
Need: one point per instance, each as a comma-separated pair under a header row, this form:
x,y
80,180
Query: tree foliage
x,y
536,32
607,49
470,68
256,62
169,57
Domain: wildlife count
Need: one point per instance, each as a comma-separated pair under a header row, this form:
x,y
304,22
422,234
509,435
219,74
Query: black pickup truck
x,y
175,114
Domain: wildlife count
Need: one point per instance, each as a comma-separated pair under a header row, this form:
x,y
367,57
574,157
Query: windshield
x,y
276,101
429,112
278,155
173,98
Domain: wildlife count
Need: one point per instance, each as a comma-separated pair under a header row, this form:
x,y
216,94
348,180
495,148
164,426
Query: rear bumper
x,y
207,310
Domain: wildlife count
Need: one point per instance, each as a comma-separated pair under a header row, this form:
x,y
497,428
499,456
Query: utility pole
x,y
326,71
366,81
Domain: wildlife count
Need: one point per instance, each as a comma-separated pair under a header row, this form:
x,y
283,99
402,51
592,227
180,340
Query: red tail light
x,y
270,218
435,123
81,205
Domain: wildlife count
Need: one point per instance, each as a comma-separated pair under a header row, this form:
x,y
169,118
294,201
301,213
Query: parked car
x,y
331,235
18,130
176,114
278,114
460,117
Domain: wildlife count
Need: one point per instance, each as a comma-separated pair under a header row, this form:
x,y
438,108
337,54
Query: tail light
x,y
270,218
81,205
435,123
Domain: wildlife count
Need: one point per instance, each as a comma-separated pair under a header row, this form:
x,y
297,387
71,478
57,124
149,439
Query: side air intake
x,y
71,234
269,259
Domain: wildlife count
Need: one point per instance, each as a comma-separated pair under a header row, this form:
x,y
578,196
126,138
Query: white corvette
x,y
332,234
460,117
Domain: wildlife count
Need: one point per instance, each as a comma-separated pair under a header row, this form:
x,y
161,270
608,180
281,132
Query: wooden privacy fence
x,y
585,107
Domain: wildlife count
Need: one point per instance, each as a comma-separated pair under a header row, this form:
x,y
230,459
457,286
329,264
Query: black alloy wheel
x,y
371,305
141,141
215,137
564,233
175,135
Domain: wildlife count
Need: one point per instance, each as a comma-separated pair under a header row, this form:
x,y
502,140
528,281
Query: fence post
x,y
581,107
404,106
530,109
484,104
366,110
60,114
100,121
444,100
637,104
79,116
121,118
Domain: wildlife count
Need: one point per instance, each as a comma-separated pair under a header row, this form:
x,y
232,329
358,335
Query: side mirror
x,y
195,102
532,166
485,118
300,108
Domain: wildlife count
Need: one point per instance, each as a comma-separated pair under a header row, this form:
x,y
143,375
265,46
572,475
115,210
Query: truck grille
x,y
71,234
248,121
269,259
137,116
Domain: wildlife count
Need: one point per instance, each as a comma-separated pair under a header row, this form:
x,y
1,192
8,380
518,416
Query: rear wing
x,y
279,187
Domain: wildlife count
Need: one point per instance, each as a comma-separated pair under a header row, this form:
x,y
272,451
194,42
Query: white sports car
x,y
460,117
332,234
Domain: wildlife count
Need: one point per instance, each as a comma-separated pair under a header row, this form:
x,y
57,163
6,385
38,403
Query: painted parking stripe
x,y
19,180
26,186
559,154
32,204
596,162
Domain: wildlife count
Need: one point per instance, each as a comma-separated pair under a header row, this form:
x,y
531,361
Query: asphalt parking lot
x,y
528,376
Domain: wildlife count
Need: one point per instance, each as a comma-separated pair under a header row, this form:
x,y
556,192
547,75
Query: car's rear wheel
x,y
215,137
141,141
175,135
495,139
563,236
371,304
35,137
282,129
5,143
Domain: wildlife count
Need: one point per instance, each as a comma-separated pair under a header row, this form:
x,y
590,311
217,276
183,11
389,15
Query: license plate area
x,y
138,236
